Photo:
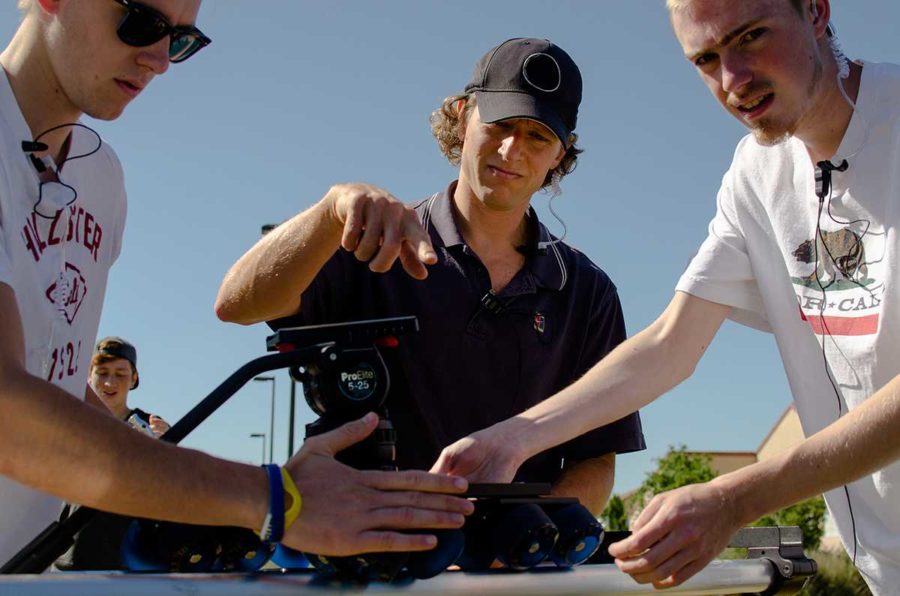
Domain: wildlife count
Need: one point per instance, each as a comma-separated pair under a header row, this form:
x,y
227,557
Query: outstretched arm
x,y
266,283
63,446
628,378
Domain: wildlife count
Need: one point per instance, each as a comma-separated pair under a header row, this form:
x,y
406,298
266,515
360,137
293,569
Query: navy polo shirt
x,y
474,364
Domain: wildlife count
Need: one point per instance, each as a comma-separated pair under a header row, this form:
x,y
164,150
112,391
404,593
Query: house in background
x,y
786,433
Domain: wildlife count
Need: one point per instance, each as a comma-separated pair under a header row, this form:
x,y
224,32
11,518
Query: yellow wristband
x,y
290,516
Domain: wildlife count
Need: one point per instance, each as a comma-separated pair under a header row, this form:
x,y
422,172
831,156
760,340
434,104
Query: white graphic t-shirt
x,y
764,258
55,253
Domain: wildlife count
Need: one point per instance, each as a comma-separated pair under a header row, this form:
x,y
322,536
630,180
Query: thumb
x,y
442,465
346,435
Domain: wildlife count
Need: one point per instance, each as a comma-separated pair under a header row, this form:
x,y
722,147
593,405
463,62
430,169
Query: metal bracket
x,y
783,548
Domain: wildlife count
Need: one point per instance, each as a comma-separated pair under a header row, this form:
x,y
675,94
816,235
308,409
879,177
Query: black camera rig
x,y
342,368
344,377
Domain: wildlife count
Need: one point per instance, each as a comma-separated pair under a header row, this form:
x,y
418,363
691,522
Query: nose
x,y
155,57
736,72
510,146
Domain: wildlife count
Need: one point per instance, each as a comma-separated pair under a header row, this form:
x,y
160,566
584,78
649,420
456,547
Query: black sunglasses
x,y
142,26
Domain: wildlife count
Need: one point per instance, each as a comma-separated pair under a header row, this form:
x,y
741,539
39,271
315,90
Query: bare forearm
x,y
860,443
62,446
266,283
634,374
590,481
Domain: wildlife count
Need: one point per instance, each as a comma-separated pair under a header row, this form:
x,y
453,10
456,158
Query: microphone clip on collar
x,y
823,176
30,147
491,303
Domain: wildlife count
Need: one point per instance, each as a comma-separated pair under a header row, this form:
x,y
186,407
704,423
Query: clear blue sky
x,y
293,96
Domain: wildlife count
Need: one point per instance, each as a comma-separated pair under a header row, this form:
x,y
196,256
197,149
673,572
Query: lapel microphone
x,y
30,147
823,176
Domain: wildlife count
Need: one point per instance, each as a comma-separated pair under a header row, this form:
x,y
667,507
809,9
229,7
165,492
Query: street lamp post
x,y
271,416
262,436
291,418
265,229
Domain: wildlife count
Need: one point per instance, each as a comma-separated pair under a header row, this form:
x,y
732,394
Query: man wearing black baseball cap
x,y
529,78
508,314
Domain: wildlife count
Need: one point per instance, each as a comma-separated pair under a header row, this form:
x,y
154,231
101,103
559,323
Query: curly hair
x,y
445,128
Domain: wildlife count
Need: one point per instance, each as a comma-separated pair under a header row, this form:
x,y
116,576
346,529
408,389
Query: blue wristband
x,y
273,526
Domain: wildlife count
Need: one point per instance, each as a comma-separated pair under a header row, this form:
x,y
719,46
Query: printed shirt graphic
x,y
57,267
839,276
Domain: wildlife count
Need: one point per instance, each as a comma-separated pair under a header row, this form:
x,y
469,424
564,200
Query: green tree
x,y
675,469
615,518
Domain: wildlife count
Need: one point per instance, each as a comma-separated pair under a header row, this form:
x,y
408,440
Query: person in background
x,y
113,376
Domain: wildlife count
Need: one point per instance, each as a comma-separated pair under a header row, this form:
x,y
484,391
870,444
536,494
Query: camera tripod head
x,y
347,378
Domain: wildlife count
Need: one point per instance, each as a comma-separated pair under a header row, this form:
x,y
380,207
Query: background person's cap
x,y
119,348
528,78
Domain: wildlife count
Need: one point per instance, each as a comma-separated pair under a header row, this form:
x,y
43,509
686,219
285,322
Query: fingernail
x,y
430,540
460,483
368,418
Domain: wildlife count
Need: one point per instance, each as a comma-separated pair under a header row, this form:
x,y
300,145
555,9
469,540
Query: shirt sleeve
x,y
5,265
116,178
624,435
721,270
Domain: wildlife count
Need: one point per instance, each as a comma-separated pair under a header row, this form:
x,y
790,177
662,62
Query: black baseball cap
x,y
119,348
528,78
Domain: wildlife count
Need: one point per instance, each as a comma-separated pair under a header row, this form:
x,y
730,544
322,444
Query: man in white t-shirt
x,y
62,211
802,245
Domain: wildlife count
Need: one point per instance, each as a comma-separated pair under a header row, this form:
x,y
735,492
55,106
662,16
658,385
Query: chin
x,y
106,115
770,135
109,110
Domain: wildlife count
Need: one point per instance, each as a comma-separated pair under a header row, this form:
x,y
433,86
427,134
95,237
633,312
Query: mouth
x,y
755,107
503,174
130,88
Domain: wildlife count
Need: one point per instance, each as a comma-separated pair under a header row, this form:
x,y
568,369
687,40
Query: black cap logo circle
x,y
542,72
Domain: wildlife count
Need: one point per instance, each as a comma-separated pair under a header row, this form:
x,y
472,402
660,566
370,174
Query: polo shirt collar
x,y
549,269
438,216
549,266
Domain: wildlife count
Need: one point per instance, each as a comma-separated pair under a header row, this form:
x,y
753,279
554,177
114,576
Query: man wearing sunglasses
x,y
62,210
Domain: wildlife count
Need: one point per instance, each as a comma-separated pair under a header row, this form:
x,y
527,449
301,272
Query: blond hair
x,y
445,123
674,5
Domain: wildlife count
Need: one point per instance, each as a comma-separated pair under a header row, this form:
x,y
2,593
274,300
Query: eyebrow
x,y
724,41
